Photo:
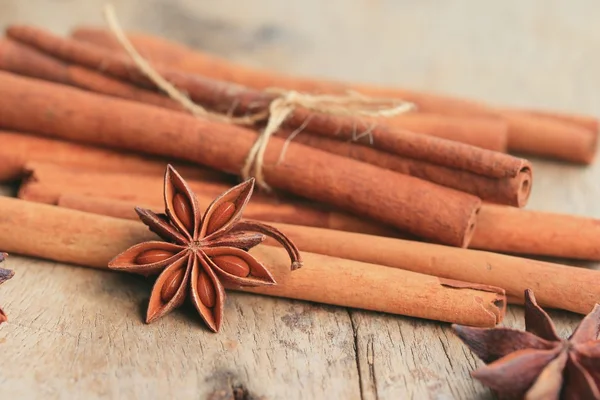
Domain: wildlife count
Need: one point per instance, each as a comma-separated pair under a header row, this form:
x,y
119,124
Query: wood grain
x,y
78,333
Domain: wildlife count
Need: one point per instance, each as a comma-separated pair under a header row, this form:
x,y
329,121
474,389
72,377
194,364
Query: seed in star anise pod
x,y
537,364
5,274
200,251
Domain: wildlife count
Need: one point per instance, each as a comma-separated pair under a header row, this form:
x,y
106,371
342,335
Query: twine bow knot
x,y
351,104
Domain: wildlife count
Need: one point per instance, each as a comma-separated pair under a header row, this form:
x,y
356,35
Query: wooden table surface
x,y
79,333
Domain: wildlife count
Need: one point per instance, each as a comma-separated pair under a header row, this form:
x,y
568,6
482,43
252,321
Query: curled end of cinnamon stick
x,y
524,181
495,308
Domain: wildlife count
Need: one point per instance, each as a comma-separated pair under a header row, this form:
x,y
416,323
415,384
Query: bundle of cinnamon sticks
x,y
84,129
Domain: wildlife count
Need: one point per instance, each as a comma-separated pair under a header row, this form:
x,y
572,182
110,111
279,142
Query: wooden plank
x,y
74,332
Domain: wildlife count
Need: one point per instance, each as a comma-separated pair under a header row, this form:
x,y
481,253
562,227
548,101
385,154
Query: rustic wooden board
x,y
78,333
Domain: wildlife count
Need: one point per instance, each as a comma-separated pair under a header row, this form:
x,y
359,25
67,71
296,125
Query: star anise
x,y
5,274
199,252
537,363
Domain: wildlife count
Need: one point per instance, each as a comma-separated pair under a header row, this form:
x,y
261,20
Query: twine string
x,y
284,104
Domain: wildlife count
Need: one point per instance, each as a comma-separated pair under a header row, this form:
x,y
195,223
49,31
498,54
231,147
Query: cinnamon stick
x,y
116,194
91,240
485,132
163,51
499,229
488,133
556,286
512,190
45,182
562,286
24,60
297,214
409,204
538,133
225,97
18,149
592,124
553,138
508,230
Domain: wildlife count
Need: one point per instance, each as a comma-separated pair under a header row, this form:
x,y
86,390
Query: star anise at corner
x,y
5,274
537,363
200,251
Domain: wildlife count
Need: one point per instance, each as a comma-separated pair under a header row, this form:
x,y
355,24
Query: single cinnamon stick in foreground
x,y
17,149
556,286
513,190
539,133
488,133
409,204
223,96
90,240
560,286
570,288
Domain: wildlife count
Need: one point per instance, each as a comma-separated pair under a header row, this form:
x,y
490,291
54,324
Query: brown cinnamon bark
x,y
297,214
45,182
91,240
24,60
570,288
116,194
592,124
556,286
409,204
170,53
513,190
552,137
499,229
225,97
18,149
508,230
487,133
561,137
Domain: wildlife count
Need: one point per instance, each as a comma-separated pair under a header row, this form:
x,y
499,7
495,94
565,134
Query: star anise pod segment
x,y
537,363
200,251
5,274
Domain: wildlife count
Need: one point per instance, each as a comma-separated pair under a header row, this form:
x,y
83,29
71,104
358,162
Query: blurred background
x,y
539,53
